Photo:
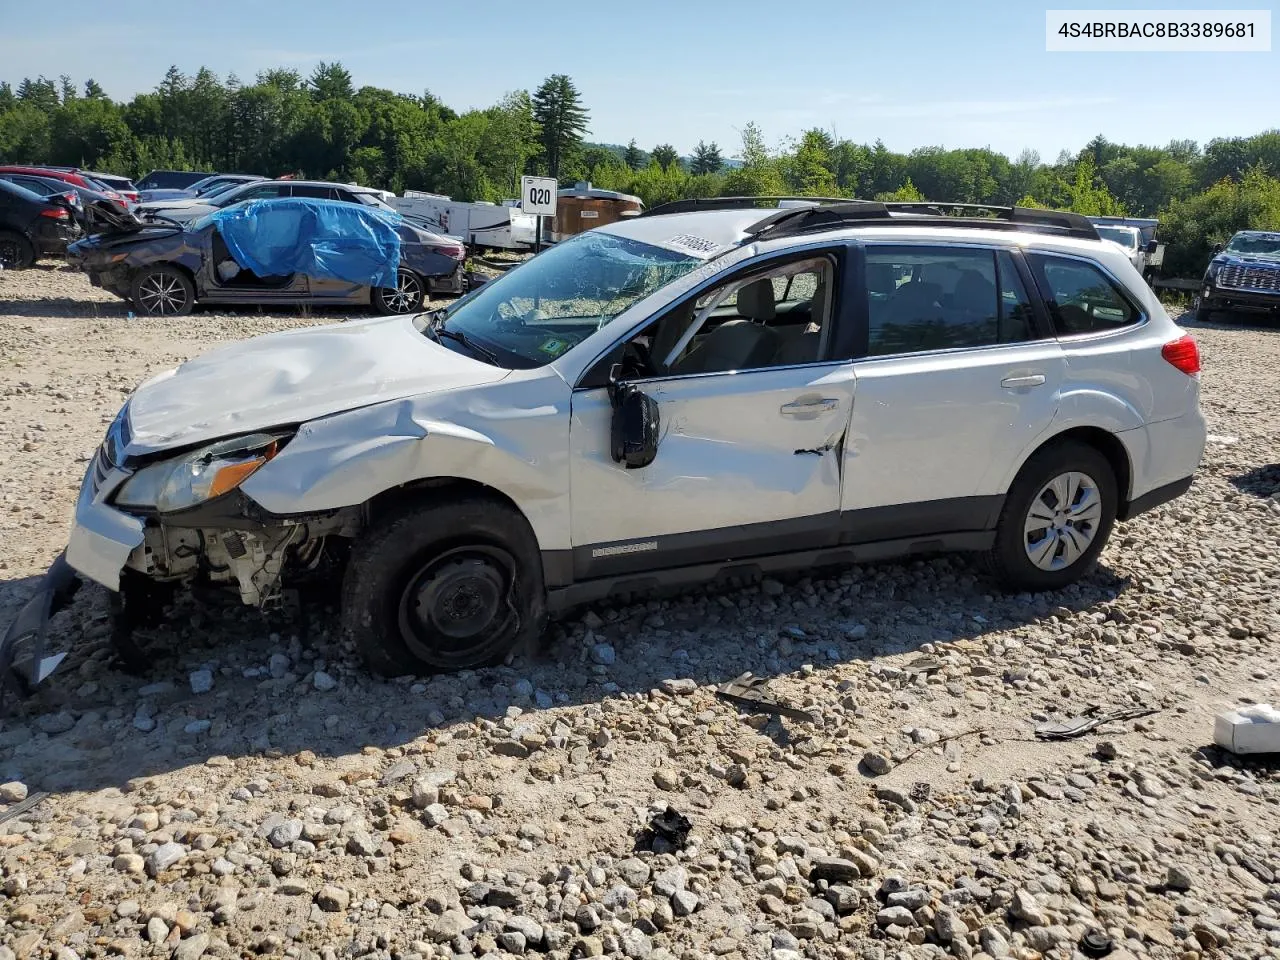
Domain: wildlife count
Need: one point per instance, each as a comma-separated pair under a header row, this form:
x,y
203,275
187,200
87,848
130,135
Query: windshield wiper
x,y
440,330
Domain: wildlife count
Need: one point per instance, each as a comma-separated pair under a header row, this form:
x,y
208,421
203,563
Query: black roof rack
x,y
830,213
733,203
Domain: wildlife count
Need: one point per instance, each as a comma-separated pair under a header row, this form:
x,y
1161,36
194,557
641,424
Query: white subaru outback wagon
x,y
713,389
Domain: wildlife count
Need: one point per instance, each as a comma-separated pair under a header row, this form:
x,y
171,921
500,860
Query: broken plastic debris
x,y
669,830
747,692
1096,943
1089,720
1251,729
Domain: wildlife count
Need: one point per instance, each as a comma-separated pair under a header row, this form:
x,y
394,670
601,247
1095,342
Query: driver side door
x,y
749,457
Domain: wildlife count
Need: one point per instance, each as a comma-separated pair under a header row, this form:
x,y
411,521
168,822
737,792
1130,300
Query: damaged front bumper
x,y
102,539
24,661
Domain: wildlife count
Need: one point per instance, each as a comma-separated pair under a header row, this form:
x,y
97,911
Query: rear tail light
x,y
55,213
450,250
1184,354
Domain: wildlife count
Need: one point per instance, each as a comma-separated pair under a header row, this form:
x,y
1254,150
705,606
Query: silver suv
x,y
709,390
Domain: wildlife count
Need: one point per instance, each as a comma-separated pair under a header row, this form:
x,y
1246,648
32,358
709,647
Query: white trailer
x,y
479,225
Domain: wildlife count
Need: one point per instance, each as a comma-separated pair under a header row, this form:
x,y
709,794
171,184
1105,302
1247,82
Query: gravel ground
x,y
258,793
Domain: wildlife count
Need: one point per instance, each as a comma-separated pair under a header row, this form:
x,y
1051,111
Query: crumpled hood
x,y
292,377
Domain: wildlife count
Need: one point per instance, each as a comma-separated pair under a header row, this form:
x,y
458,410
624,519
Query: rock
x,y
636,944
912,899
425,793
323,682
1178,878
164,857
834,870
362,844
1026,907
666,779
895,917
875,763
679,688
585,947
201,681
283,834
278,665
603,654
15,791
129,863
332,899
634,872
192,948
157,930
529,929
948,925
54,723
683,903
448,925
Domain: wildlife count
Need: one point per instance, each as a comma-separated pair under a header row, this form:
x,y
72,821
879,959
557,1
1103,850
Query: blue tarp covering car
x,y
319,238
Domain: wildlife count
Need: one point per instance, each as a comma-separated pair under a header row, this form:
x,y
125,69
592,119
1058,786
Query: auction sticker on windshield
x,y
698,246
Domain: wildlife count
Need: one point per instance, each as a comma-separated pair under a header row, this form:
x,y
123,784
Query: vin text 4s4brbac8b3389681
x,y
711,388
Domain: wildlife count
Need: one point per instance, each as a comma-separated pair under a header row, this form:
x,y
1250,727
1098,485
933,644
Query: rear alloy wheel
x,y
163,292
16,252
1056,518
405,297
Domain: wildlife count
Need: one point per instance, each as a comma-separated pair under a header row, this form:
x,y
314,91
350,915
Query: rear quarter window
x,y
1080,296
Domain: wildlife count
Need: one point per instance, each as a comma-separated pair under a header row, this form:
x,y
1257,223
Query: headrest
x,y
880,278
756,300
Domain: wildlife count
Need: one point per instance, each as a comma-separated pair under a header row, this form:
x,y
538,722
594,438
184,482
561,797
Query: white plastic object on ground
x,y
1251,729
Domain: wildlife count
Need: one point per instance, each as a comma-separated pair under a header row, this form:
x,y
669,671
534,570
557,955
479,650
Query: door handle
x,y
801,408
1031,380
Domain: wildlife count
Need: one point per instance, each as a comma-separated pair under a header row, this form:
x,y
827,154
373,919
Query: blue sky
x,y
910,72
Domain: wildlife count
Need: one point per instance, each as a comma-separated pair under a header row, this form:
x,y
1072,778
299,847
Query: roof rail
x,y
734,203
869,213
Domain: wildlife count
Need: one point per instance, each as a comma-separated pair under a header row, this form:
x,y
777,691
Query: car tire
x,y
450,585
1050,557
16,251
405,297
162,291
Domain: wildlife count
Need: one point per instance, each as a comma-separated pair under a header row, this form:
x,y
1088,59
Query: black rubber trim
x,y
557,568
564,598
642,553
927,518
1154,498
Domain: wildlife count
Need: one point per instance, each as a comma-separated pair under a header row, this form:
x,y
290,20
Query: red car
x,y
71,176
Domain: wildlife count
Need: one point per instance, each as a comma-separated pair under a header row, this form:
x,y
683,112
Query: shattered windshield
x,y
546,306
1126,238
1256,244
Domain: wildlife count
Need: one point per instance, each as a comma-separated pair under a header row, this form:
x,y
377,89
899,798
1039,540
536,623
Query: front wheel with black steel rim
x,y
16,251
445,586
1056,518
163,292
405,297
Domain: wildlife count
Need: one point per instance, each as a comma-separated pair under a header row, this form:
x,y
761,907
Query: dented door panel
x,y
745,459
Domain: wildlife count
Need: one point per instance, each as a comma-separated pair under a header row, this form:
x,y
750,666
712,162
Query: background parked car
x,y
165,269
57,191
31,226
172,179
89,203
121,185
194,207
75,178
200,188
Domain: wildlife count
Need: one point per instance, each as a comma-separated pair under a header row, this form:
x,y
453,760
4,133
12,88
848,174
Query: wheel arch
x,y
1102,440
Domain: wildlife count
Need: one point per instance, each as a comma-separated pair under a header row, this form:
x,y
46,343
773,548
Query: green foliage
x,y
1192,226
562,120
907,193
322,125
664,155
706,158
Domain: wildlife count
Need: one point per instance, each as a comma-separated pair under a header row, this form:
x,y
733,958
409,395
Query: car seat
x,y
738,344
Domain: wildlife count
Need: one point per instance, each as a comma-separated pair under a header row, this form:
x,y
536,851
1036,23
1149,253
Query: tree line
x,y
323,126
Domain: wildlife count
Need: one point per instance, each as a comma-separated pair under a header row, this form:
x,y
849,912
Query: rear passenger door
x,y
957,373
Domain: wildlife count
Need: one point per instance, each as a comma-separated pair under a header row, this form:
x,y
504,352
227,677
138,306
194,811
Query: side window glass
x,y
315,193
933,298
1016,320
1080,297
779,316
